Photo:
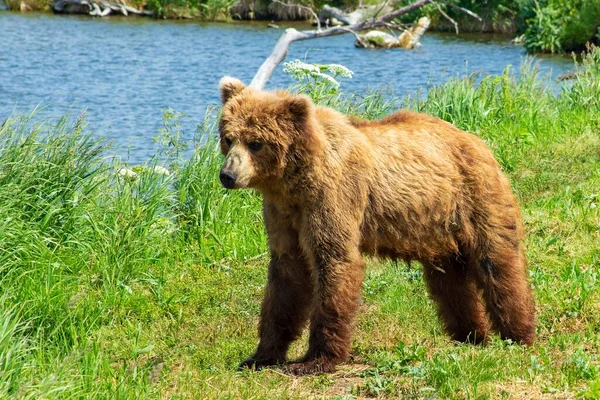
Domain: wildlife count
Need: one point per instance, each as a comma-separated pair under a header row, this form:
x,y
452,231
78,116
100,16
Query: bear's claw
x,y
257,363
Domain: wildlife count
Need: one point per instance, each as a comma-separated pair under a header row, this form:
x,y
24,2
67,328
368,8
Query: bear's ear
x,y
301,112
229,87
298,108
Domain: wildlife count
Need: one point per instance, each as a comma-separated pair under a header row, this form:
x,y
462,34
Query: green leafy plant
x,y
561,26
217,10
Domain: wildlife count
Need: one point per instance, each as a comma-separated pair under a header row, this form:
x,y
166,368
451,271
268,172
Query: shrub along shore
x,y
550,26
128,282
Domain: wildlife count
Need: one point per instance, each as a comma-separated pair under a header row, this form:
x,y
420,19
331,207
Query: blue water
x,y
123,71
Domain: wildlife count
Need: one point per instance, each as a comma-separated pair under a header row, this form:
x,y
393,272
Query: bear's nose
x,y
227,179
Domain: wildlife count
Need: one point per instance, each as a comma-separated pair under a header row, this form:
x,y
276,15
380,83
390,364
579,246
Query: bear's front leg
x,y
339,269
331,328
284,311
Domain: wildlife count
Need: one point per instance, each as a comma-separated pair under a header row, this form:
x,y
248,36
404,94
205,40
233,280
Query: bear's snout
x,y
227,179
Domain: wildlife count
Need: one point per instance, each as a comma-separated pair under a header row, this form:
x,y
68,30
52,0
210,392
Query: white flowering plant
x,y
320,81
133,173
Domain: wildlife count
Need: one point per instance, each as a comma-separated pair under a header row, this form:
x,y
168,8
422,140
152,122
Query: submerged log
x,y
376,39
407,40
95,8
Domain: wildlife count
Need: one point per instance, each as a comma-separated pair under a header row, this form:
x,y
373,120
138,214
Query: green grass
x,y
149,286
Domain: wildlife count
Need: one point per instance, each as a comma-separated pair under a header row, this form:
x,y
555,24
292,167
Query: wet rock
x,y
407,40
71,7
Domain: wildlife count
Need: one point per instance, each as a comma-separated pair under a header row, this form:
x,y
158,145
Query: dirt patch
x,y
522,390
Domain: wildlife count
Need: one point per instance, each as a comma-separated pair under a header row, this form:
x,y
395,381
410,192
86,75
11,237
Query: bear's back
x,y
428,179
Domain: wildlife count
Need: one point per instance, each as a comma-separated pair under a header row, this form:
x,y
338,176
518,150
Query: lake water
x,y
123,71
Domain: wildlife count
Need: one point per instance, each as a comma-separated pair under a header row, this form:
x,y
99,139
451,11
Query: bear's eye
x,y
227,141
255,146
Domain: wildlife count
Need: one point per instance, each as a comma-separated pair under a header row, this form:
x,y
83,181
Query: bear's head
x,y
258,130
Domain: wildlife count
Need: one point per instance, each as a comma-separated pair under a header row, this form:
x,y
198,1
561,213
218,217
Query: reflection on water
x,y
124,70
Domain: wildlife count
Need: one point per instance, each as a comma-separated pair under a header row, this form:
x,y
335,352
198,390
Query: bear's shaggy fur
x,y
409,187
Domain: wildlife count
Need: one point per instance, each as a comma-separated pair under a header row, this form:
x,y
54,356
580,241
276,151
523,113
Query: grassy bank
x,y
134,282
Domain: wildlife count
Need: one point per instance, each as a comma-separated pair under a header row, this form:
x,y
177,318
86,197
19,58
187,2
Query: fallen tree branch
x,y
404,10
447,17
292,35
464,10
352,32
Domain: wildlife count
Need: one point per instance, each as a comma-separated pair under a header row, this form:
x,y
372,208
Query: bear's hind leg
x,y
508,297
459,304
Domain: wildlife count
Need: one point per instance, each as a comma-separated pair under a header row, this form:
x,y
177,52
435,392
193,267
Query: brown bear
x,y
409,186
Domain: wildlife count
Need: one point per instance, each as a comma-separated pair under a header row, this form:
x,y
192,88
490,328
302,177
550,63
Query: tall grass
x,y
120,281
79,234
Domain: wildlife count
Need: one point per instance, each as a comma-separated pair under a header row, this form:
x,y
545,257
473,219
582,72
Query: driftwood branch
x,y
356,35
404,10
463,10
292,35
447,17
